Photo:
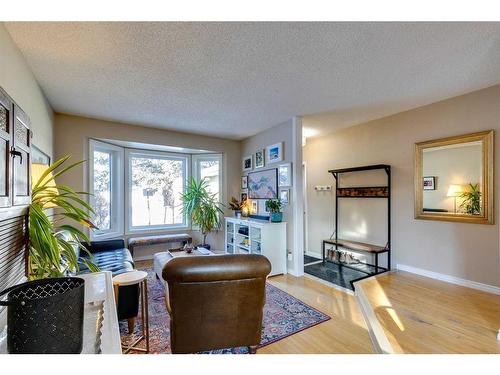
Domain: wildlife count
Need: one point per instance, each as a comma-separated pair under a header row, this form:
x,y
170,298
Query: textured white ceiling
x,y
235,79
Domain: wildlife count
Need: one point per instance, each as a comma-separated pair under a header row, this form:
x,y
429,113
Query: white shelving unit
x,y
250,236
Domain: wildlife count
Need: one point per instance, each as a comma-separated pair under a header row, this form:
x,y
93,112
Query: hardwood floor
x,y
423,315
345,332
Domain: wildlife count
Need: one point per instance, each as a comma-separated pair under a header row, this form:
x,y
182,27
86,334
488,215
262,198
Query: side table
x,y
133,278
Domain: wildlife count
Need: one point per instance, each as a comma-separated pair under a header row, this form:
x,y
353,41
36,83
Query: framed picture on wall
x,y
39,157
274,153
285,175
263,184
429,183
244,182
243,196
247,163
259,159
255,207
285,196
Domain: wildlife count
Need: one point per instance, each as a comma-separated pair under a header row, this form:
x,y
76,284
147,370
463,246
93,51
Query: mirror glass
x,y
452,179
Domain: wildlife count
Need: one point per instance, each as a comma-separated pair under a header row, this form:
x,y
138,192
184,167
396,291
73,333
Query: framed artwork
x,y
243,196
39,157
429,183
247,163
244,182
255,207
274,153
259,159
285,196
285,175
263,184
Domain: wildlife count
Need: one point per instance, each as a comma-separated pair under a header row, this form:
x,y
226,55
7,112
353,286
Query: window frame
x,y
117,184
196,158
149,229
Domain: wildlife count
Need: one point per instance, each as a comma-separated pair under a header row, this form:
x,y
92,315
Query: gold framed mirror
x,y
454,179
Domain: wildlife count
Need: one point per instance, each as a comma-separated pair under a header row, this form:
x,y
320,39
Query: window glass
x,y
156,184
102,190
210,171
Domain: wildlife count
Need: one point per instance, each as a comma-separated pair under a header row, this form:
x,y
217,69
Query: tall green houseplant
x,y
53,210
202,207
471,200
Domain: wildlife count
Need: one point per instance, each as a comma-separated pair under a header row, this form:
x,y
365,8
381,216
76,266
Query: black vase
x,y
45,316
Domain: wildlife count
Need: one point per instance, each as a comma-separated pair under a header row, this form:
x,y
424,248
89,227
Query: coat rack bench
x,y
375,192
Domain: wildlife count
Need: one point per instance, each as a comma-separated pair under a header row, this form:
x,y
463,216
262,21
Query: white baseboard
x,y
313,254
450,279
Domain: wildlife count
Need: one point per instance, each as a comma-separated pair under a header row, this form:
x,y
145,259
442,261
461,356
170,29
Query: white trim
x,y
450,279
297,194
313,254
116,181
305,215
381,344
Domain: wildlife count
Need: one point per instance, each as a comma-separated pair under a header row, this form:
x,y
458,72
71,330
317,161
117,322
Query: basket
x,y
45,316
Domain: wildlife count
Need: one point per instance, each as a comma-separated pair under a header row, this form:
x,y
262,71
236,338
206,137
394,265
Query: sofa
x,y
113,256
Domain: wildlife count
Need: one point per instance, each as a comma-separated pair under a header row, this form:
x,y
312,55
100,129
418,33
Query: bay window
x,y
136,191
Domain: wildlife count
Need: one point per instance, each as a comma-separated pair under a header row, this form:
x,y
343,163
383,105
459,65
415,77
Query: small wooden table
x,y
133,278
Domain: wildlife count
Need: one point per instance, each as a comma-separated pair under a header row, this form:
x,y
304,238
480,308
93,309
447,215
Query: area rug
x,y
284,315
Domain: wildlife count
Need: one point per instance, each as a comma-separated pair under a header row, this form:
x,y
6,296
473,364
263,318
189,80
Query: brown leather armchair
x,y
215,302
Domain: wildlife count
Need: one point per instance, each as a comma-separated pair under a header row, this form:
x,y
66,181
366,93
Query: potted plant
x,y
471,200
274,207
53,210
202,207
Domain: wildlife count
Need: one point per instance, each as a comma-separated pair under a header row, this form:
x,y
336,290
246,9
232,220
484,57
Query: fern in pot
x,y
202,207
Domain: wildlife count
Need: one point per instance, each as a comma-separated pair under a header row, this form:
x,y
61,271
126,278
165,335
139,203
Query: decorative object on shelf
x,y
188,248
429,183
247,163
274,206
51,253
244,182
45,316
245,208
284,196
236,205
255,207
259,159
285,175
274,153
263,184
471,200
455,191
202,207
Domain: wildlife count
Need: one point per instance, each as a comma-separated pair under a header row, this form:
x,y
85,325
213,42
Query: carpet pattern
x,y
284,315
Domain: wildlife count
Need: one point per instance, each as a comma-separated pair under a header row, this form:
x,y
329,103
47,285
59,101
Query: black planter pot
x,y
45,316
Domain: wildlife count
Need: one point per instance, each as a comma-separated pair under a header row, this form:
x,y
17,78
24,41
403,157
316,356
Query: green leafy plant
x,y
201,207
274,205
53,210
471,200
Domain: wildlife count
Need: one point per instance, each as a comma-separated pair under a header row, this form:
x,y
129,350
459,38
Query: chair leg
x,y
131,325
252,349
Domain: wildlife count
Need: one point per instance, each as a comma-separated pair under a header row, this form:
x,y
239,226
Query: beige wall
x,y
17,79
469,251
72,135
280,133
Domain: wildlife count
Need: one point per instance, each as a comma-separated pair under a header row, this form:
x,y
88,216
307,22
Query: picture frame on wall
x,y
247,163
429,183
263,184
39,157
285,175
259,159
274,153
285,196
244,182
255,207
243,196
